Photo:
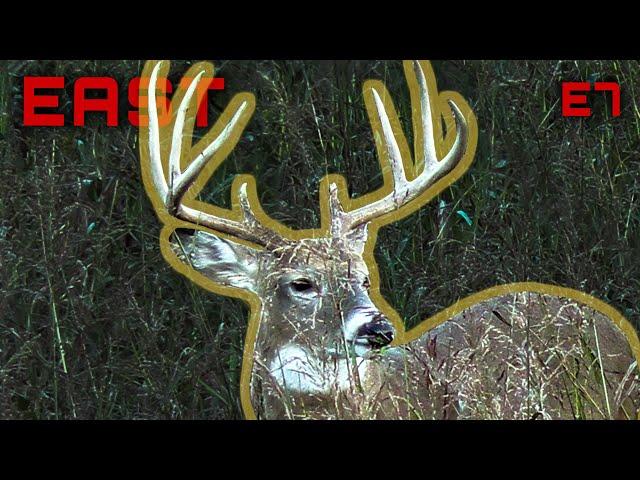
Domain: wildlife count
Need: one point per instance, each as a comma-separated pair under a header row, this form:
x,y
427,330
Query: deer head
x,y
313,293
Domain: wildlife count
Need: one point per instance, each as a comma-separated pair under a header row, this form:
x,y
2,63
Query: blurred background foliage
x,y
95,324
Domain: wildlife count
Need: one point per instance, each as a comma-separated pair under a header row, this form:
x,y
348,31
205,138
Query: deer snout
x,y
377,333
367,329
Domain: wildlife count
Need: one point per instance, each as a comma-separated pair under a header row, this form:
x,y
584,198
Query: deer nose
x,y
377,333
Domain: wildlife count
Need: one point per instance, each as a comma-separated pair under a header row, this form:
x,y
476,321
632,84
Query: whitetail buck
x,y
322,342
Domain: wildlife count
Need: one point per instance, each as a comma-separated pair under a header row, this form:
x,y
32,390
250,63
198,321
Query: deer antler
x,y
172,192
404,190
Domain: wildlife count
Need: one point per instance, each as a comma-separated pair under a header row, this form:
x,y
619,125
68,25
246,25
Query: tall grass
x,y
93,322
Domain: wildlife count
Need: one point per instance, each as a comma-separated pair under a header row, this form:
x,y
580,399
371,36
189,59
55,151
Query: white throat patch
x,y
296,371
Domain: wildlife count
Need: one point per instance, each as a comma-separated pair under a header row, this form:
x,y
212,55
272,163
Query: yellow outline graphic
x,y
440,109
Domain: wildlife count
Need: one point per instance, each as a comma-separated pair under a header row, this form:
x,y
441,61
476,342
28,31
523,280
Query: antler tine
x,y
178,182
171,194
405,191
429,146
393,150
159,182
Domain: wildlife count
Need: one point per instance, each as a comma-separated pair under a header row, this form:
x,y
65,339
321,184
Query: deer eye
x,y
302,285
366,284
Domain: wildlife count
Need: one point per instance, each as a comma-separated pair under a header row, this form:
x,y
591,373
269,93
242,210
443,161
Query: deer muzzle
x,y
368,329
376,334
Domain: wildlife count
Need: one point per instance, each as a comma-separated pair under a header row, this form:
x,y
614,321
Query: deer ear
x,y
223,261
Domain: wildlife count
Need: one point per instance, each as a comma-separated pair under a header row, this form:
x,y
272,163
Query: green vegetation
x,y
95,324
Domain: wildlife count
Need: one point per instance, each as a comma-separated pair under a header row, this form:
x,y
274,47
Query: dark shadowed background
x,y
95,324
